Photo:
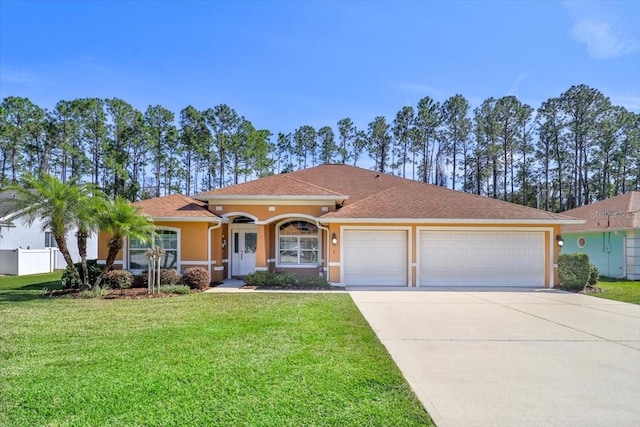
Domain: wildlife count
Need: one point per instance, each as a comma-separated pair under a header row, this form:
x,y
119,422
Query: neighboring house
x,y
610,235
356,227
18,234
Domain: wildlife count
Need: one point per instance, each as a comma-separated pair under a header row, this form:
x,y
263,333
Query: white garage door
x,y
375,258
487,258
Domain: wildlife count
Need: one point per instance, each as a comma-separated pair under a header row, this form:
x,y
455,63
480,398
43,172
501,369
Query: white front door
x,y
243,259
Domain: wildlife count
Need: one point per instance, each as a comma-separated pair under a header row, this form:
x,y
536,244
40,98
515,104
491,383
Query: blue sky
x,y
287,64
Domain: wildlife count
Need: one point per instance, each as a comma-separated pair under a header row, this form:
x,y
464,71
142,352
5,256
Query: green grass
x,y
24,288
195,360
619,290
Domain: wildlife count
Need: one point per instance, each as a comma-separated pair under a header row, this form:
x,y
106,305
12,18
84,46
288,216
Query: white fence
x,y
19,262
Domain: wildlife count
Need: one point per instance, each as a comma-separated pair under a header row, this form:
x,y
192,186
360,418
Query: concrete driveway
x,y
513,357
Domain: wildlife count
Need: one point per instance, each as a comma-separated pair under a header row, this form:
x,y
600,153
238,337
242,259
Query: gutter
x,y
351,220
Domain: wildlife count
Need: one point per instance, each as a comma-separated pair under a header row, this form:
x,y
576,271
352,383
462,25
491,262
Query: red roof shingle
x,y
276,185
369,194
174,206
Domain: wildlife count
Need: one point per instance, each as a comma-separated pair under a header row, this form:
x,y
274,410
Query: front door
x,y
243,260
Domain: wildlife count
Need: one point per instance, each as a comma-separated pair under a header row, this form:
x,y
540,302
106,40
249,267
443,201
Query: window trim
x,y
298,265
578,242
158,228
50,240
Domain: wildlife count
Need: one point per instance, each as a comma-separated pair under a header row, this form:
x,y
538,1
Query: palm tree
x,y
92,202
121,220
56,204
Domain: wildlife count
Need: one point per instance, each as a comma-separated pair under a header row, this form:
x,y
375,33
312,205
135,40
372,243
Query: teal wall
x,y
605,250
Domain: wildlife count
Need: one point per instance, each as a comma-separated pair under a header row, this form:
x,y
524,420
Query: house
x,y
17,234
356,227
610,235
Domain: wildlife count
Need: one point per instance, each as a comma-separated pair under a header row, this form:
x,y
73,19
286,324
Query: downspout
x,y
209,243
328,247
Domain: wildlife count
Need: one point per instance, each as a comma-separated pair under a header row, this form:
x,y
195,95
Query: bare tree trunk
x,y
64,250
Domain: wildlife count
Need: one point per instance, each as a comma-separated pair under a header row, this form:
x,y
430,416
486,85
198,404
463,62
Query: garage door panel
x,y
481,258
375,258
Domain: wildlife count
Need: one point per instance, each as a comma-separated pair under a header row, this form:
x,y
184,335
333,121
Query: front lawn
x,y
195,360
20,288
619,290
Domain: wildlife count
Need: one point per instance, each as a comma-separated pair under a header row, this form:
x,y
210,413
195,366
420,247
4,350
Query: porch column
x,y
216,269
261,249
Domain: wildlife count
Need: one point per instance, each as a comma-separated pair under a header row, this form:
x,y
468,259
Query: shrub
x,y
94,271
574,271
98,292
259,278
283,279
594,275
196,278
264,278
141,280
175,289
313,282
120,279
169,276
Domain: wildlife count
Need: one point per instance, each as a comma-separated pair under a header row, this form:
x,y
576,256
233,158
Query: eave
x,y
186,219
338,220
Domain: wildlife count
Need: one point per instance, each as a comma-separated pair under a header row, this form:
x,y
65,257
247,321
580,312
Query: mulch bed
x,y
132,293
591,290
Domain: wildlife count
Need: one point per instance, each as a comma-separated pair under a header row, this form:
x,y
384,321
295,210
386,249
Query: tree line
x,y
573,149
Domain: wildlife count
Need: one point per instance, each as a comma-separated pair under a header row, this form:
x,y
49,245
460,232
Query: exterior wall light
x,y
334,239
224,242
560,240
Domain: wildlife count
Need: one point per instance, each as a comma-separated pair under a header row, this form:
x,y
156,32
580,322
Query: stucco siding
x,y
21,235
605,249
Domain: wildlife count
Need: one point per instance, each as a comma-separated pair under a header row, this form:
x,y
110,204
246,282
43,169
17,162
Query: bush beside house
x,y
118,279
285,280
68,281
576,272
196,278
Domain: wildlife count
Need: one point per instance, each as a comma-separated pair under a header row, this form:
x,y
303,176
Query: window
x,y
582,242
298,243
49,240
165,239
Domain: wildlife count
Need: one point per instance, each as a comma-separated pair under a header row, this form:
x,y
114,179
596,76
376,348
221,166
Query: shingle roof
x,y
7,203
377,195
617,213
418,200
174,206
276,185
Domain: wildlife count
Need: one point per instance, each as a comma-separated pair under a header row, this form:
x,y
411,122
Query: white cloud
x,y
605,27
603,39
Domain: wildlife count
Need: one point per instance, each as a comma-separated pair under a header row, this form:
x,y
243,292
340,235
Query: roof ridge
x,y
313,185
191,200
373,195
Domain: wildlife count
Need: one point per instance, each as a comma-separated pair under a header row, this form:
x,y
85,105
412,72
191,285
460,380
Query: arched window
x,y
298,243
165,239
